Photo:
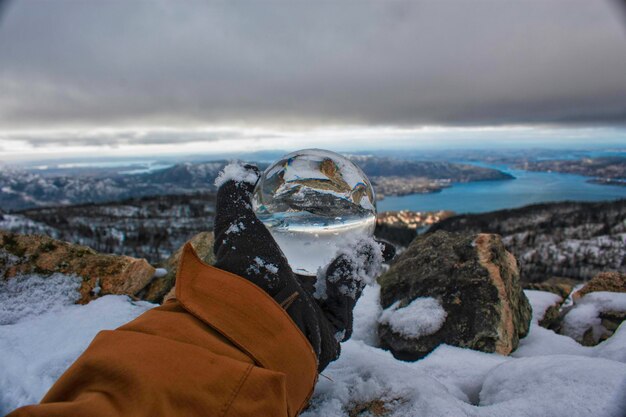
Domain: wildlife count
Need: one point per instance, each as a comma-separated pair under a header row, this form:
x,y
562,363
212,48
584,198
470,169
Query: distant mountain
x,y
606,170
574,240
27,189
386,167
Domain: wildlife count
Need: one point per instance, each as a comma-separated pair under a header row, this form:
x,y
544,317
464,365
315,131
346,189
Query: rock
x,y
546,307
373,408
611,320
604,281
101,274
476,281
160,289
598,309
400,236
552,317
554,314
557,285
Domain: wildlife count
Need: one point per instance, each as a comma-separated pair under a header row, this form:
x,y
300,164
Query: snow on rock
x,y
542,341
586,313
422,317
237,172
32,294
37,349
477,282
160,272
569,301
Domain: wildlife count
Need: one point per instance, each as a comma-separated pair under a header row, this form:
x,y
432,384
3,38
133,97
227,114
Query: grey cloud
x,y
282,63
118,138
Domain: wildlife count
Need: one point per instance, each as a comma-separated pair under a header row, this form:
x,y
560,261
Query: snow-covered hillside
x,y
570,239
148,227
548,375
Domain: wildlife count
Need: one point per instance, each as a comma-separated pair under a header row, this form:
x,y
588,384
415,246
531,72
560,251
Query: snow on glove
x,y
245,247
339,286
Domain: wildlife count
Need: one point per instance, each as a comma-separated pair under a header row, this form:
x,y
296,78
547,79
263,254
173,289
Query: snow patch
x,y
97,288
460,382
462,371
29,295
559,385
422,317
363,373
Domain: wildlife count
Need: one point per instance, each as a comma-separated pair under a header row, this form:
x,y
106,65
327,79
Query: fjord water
x,y
527,188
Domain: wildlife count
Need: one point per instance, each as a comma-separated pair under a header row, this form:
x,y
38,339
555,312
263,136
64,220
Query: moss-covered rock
x,y
476,281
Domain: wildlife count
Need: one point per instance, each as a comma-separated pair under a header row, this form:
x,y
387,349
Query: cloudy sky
x,y
149,77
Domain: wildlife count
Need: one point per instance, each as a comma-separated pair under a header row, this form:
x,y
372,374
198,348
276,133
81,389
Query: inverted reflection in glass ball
x,y
313,202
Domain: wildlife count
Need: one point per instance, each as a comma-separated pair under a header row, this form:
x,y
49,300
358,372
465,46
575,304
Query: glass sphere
x,y
314,202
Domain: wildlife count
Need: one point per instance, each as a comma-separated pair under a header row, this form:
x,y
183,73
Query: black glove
x,y
245,247
339,286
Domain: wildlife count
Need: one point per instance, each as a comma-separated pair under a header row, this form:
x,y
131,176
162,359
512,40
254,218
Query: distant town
x,y
412,219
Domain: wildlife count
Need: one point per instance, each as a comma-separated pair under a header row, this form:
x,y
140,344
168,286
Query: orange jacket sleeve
x,y
223,347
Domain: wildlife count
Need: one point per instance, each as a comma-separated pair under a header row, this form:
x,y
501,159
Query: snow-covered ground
x,y
42,332
548,375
